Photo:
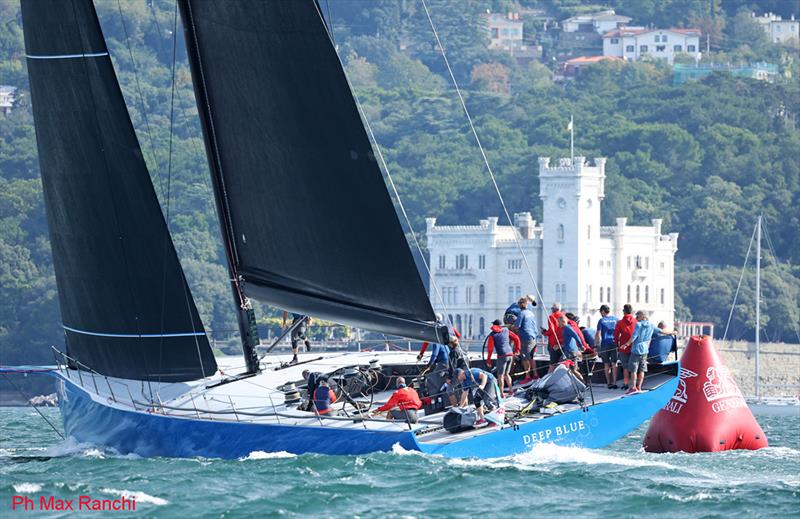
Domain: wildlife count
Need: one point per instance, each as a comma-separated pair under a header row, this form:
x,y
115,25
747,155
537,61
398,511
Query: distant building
x,y
479,269
506,33
779,30
600,22
635,43
762,71
7,98
573,66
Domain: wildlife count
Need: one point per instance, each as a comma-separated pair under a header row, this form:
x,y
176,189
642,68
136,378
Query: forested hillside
x,y
707,157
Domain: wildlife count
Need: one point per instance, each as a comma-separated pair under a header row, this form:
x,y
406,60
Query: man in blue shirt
x,y
640,344
528,332
485,390
572,345
437,368
604,339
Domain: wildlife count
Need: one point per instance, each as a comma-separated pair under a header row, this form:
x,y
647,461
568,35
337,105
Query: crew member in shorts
x,y
623,331
639,344
528,332
485,393
507,344
604,341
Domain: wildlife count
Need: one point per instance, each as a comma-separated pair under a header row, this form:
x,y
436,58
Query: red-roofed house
x,y
573,67
634,43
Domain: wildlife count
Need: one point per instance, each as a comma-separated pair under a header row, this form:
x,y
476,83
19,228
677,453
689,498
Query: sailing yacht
x,y
307,225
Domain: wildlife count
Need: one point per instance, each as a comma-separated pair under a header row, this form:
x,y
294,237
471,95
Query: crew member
x,y
484,385
456,359
527,334
623,332
554,337
571,345
604,340
436,370
450,328
312,379
403,404
507,344
323,398
639,344
298,333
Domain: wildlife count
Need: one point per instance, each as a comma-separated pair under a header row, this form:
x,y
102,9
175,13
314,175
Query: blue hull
x,y
157,435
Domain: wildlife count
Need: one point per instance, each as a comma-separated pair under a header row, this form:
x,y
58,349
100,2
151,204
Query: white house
x,y
506,33
7,98
635,43
599,22
478,270
779,30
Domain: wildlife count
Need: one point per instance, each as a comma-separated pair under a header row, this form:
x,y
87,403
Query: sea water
x,y
618,481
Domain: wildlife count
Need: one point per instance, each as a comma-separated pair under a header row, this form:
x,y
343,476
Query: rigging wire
x,y
738,286
480,146
777,262
19,390
374,141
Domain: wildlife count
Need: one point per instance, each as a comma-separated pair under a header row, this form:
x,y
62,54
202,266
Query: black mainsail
x,y
308,221
125,304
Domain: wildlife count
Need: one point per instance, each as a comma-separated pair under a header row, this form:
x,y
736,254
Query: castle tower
x,y
571,193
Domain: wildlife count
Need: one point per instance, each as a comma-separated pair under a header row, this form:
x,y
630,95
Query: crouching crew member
x,y
403,404
507,344
485,394
323,398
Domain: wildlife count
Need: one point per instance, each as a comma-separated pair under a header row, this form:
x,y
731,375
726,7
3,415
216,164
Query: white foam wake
x,y
261,455
140,497
27,488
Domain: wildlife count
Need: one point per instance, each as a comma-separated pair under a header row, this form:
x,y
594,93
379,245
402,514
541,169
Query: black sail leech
x,y
310,221
124,301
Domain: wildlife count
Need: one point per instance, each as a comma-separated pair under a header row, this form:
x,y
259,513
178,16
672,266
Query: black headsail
x,y
307,215
126,308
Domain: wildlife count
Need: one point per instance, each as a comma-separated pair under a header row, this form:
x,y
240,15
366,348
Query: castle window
x,y
677,48
458,322
481,324
647,262
563,291
662,296
561,263
481,296
661,266
629,262
608,294
629,294
514,264
690,48
510,295
629,48
469,326
558,292
588,232
468,295
561,232
638,293
481,261
601,294
647,294
442,261
455,295
638,262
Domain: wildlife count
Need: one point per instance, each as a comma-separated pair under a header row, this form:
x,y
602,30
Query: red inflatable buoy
x,y
707,412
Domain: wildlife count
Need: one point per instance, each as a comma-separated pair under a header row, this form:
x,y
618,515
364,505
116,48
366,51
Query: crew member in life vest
x,y
571,345
554,337
403,404
507,344
323,398
623,332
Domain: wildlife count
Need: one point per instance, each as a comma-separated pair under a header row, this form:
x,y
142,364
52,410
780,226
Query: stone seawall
x,y
780,366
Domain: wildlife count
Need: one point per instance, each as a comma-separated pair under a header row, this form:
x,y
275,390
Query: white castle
x,y
479,269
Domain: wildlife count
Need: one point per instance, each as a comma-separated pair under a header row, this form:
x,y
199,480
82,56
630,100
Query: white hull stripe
x,y
67,56
134,335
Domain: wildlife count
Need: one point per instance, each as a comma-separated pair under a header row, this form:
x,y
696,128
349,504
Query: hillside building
x,y
635,43
779,30
7,98
600,22
478,270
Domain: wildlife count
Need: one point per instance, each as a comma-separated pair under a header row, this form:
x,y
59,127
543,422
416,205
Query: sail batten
x,y
310,221
124,301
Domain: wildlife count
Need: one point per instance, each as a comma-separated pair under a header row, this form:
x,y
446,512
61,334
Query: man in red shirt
x,y
623,332
555,336
403,404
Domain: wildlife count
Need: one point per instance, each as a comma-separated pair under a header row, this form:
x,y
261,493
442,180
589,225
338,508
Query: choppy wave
x,y
140,497
27,488
261,455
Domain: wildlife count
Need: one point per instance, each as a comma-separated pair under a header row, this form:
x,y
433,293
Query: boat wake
x,y
261,455
140,497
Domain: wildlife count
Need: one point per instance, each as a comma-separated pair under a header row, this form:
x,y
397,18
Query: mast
x,y
245,316
758,307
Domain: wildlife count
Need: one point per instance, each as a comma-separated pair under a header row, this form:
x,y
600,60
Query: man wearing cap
x,y
639,344
554,336
507,344
403,404
623,331
485,390
527,335
604,339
